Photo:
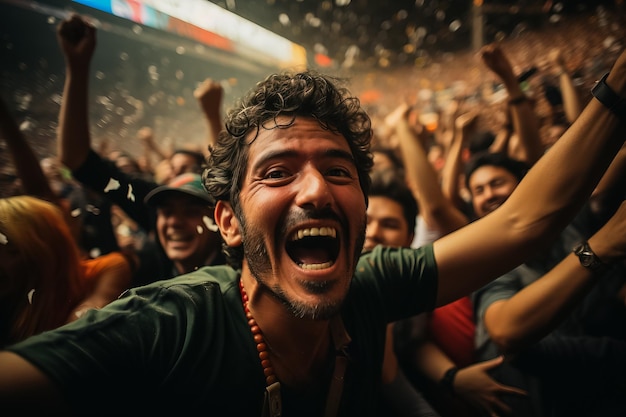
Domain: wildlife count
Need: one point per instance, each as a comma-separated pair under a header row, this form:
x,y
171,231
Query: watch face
x,y
586,259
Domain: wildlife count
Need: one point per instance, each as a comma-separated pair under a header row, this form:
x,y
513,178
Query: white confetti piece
x,y
112,185
75,212
92,209
3,239
130,194
199,229
95,252
30,296
210,224
81,312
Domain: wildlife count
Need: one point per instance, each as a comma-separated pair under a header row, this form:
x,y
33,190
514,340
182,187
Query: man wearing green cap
x,y
184,223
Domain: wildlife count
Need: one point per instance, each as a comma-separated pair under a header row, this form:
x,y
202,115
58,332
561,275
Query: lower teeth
x,y
317,266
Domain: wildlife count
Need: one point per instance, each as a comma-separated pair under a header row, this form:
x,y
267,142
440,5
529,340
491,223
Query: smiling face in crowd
x,y
490,187
303,216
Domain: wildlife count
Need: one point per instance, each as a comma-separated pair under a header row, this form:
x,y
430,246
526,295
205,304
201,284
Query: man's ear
x,y
228,223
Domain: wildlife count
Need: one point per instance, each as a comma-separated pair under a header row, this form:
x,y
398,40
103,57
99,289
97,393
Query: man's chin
x,y
316,311
490,209
178,255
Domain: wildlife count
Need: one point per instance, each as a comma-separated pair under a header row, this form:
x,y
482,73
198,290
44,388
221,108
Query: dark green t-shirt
x,y
183,346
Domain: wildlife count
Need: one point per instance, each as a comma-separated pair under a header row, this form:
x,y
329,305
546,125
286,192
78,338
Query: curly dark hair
x,y
307,94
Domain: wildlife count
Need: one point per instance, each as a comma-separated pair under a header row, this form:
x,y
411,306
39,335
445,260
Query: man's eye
x,y
339,172
275,174
498,183
391,225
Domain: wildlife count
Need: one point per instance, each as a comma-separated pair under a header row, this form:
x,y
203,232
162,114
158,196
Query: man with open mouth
x,y
295,324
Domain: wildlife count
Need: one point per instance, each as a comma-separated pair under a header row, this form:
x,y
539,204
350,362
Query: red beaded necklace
x,y
261,346
272,403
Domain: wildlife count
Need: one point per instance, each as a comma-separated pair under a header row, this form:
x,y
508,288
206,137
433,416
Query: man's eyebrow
x,y
290,153
269,156
340,153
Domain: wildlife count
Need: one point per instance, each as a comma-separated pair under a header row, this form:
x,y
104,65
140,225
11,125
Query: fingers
x,y
74,29
491,363
504,409
507,389
208,86
496,408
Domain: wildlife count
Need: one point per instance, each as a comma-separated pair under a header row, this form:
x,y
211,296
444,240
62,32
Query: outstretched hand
x,y
475,385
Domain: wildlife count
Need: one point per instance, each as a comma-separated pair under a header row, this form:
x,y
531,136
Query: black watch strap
x,y
609,98
447,381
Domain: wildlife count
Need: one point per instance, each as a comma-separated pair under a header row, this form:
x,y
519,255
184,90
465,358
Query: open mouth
x,y
179,238
314,248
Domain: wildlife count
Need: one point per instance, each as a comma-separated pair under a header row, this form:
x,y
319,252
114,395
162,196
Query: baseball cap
x,y
188,183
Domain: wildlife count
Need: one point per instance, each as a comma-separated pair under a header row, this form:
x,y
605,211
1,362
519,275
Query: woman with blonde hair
x,y
44,283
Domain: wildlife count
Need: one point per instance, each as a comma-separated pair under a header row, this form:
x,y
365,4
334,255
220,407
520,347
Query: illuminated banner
x,y
209,24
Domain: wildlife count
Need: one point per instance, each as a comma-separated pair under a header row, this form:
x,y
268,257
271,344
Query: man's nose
x,y
173,219
488,193
313,189
372,231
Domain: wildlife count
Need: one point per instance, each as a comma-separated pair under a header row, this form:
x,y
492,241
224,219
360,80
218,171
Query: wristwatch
x,y
588,258
609,98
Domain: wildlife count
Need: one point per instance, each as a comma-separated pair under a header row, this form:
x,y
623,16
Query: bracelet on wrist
x,y
609,98
588,258
447,381
517,100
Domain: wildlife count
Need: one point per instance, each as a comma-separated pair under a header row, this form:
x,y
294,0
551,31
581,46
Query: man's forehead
x,y
302,133
488,172
383,205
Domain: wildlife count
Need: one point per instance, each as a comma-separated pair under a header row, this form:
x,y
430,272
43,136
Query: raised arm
x,y
453,166
530,314
544,202
572,105
523,117
26,163
77,39
151,147
438,211
210,94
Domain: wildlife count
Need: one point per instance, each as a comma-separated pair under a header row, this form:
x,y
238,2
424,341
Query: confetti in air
x,y
3,239
95,252
92,209
199,229
75,212
130,194
210,224
112,185
79,313
30,296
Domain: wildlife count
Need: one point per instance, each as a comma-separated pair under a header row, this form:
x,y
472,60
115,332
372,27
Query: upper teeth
x,y
315,231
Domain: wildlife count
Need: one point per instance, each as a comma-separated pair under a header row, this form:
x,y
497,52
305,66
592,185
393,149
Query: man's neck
x,y
299,348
